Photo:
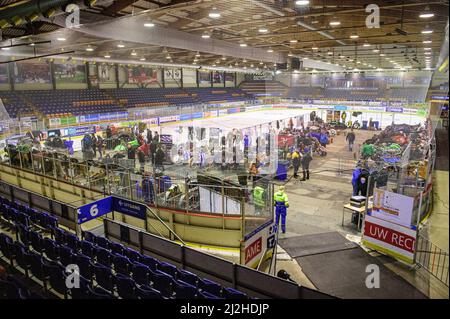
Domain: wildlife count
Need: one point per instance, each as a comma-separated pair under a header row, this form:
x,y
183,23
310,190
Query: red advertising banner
x,y
253,250
389,236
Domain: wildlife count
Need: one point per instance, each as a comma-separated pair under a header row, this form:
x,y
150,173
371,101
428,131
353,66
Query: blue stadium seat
x,y
82,292
147,293
151,262
99,293
103,256
168,269
184,290
206,285
36,242
122,264
117,248
103,242
66,255
125,287
104,277
141,274
57,279
133,255
72,241
163,283
85,265
87,248
50,249
9,290
23,233
38,269
188,277
7,247
230,293
23,258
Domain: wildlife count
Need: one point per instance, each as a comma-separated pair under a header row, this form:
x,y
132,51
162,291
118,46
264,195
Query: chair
x,y
87,248
50,249
230,293
82,292
66,255
122,265
145,292
206,285
184,290
23,258
125,287
151,262
104,277
38,268
168,269
59,235
99,293
103,256
9,290
7,247
117,248
72,242
103,242
133,255
141,274
163,283
88,236
51,222
85,265
207,295
36,241
57,279
23,234
187,277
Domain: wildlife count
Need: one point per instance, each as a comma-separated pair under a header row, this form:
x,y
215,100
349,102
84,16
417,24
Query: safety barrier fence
x,y
116,177
254,283
433,259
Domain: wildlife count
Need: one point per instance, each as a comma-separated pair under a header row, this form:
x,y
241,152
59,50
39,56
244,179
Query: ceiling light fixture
x,y
149,24
354,36
214,14
334,22
427,30
302,2
263,30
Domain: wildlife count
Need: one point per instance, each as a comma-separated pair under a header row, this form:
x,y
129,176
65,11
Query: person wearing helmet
x,y
281,204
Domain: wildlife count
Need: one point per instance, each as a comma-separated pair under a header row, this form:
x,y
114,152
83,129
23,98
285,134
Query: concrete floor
x,y
316,207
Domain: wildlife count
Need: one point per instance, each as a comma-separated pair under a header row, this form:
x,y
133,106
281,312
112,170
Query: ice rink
x,y
239,120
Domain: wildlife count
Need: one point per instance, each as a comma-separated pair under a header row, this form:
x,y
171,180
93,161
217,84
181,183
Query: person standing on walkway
x,y
296,160
351,137
306,160
281,205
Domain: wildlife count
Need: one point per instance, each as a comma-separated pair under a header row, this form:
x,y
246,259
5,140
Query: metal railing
x,y
433,259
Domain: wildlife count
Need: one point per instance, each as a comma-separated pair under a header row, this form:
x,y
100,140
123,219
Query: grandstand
x,y
222,149
58,103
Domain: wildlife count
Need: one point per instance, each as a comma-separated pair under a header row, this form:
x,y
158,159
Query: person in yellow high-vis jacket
x,y
281,205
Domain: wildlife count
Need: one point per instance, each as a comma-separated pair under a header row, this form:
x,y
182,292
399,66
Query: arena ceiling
x,y
327,34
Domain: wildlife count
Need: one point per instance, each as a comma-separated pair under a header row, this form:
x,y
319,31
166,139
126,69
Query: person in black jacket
x,y
153,147
141,159
306,160
159,158
351,140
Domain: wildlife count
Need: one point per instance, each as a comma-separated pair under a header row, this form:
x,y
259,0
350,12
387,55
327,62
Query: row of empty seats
x,y
264,87
57,103
411,95
107,269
